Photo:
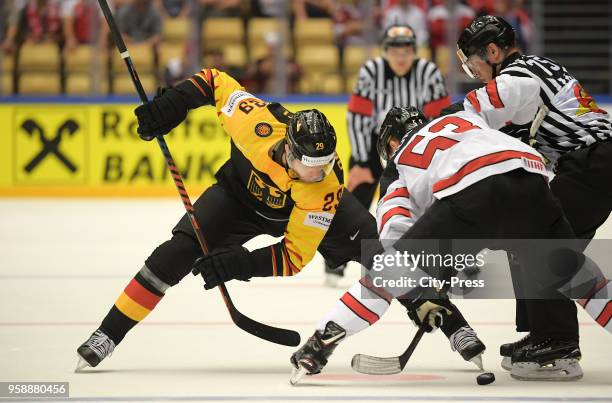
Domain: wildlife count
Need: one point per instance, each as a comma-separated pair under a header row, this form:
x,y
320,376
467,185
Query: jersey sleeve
x,y
360,114
436,95
394,214
505,100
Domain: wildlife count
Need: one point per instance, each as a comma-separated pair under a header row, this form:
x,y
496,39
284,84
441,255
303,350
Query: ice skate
x,y
506,350
312,357
94,350
550,360
466,342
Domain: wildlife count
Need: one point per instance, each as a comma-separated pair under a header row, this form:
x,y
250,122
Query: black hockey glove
x,y
159,116
428,313
223,265
520,132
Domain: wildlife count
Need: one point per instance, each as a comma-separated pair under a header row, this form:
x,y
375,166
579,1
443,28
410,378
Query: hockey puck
x,y
486,378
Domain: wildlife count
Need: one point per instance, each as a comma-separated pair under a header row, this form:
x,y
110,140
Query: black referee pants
x,y
514,205
583,185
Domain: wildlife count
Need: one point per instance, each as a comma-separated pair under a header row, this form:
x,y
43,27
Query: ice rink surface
x,y
64,262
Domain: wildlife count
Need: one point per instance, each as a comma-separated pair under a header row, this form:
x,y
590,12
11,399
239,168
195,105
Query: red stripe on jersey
x,y
481,162
494,94
473,98
367,283
403,211
432,109
604,317
399,192
360,105
359,309
141,295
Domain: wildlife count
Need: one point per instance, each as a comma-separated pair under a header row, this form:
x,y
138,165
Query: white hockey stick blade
x,y
297,374
367,364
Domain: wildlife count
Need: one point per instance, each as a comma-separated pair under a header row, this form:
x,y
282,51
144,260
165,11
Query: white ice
x,y
64,262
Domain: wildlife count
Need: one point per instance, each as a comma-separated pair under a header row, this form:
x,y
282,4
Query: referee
x,y
398,78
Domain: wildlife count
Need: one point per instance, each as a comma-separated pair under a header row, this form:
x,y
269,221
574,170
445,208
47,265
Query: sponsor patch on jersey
x,y
319,220
234,100
263,129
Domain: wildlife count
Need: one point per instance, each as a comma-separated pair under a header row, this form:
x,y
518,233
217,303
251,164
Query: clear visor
x,y
465,63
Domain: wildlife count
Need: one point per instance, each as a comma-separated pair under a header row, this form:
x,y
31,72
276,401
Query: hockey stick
x,y
367,364
272,334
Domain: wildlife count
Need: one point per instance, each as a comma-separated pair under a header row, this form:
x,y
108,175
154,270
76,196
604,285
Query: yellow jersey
x,y
256,128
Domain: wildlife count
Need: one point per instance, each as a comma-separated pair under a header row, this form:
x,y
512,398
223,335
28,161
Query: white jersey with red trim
x,y
444,157
524,84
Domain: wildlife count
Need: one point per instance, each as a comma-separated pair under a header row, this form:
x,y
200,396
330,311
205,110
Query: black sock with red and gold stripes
x,y
136,301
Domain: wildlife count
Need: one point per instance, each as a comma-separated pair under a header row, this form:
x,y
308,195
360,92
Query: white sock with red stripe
x,y
599,305
358,308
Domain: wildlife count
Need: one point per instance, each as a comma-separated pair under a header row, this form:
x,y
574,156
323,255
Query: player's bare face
x,y
400,58
480,68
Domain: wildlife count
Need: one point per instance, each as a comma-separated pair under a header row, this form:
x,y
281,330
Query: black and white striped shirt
x,y
378,89
524,84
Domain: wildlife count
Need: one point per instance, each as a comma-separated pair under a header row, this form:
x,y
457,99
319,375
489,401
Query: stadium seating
x,y
218,32
39,83
314,31
176,30
258,29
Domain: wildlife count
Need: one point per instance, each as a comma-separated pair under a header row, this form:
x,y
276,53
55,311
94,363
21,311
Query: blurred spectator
x,y
267,8
175,71
174,8
406,13
140,22
81,21
260,76
482,7
33,21
220,8
512,11
215,58
349,23
314,9
437,19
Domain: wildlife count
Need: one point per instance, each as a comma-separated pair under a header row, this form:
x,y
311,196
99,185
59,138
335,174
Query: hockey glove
x,y
223,265
159,116
428,313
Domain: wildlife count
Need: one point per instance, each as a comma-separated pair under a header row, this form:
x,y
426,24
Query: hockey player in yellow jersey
x,y
283,178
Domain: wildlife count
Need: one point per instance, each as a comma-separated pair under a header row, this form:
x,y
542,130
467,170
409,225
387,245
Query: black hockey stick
x,y
272,334
367,364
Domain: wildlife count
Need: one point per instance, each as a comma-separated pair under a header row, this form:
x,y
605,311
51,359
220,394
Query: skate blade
x,y
81,364
477,360
506,363
297,374
562,370
367,364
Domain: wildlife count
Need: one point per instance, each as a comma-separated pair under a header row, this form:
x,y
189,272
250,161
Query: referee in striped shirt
x,y
398,78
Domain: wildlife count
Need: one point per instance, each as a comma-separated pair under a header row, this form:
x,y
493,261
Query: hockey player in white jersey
x,y
455,178
539,101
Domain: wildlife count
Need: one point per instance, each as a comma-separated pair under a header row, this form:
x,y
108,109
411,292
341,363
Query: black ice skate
x,y
312,356
506,350
466,342
550,360
333,274
94,350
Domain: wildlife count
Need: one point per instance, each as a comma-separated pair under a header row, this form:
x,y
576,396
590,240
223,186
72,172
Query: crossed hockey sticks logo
x,y
50,146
